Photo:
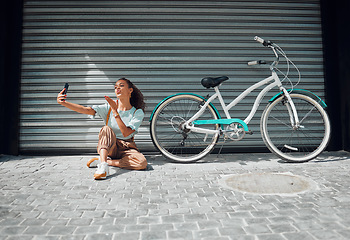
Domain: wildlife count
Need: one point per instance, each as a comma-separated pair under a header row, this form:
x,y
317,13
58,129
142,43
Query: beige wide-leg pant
x,y
124,150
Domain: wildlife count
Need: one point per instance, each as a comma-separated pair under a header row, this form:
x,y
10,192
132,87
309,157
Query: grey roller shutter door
x,y
164,47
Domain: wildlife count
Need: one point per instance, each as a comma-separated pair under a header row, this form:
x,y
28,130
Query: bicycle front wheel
x,y
171,138
295,144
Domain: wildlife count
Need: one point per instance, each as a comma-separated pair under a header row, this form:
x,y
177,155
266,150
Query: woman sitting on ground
x,y
123,117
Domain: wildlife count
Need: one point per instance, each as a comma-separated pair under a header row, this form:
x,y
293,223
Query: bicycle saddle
x,y
209,82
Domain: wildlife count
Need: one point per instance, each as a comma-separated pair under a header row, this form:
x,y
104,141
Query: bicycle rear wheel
x,y
173,140
295,144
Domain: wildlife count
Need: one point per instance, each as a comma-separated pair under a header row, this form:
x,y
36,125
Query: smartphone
x,y
66,86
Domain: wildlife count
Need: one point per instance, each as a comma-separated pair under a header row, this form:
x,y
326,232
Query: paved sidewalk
x,y
57,198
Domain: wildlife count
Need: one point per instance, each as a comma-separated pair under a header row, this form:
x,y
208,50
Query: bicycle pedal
x,y
250,132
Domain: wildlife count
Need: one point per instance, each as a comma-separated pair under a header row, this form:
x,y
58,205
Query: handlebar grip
x,y
251,63
262,41
256,62
259,39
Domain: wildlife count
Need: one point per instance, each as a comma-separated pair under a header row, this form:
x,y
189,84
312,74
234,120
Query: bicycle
x,y
185,127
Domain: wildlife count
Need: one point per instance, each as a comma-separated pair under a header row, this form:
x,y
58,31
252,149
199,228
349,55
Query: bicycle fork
x,y
293,114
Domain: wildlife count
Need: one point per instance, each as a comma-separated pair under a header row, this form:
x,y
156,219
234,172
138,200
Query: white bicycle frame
x,y
274,82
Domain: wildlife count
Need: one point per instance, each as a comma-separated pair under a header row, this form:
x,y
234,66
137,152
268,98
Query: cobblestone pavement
x,y
52,197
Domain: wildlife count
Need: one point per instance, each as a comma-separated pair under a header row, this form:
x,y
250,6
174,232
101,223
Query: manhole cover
x,y
268,183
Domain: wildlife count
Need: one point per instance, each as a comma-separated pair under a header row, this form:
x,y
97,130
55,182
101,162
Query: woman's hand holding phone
x,y
61,98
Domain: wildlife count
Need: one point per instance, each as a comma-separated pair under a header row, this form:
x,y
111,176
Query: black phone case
x,y
66,86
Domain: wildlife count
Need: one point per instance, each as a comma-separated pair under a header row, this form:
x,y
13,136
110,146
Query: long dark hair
x,y
137,99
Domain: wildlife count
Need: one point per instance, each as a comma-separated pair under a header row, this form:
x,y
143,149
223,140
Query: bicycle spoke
x,y
287,125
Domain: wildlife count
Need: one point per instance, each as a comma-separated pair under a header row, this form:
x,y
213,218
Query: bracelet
x,y
116,115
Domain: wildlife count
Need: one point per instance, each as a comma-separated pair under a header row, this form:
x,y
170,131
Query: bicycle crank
x,y
234,131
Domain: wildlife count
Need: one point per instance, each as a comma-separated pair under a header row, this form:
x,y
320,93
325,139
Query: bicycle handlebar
x,y
270,45
276,50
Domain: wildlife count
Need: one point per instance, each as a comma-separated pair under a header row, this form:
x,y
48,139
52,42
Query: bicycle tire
x,y
295,145
175,143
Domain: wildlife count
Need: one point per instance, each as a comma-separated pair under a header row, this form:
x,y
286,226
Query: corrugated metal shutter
x,y
164,47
